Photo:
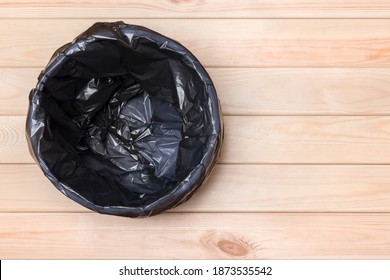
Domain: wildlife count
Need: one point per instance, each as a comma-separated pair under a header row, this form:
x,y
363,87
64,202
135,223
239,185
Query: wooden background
x,y
305,168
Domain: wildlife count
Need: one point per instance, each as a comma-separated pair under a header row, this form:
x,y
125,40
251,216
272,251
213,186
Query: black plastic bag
x,y
125,121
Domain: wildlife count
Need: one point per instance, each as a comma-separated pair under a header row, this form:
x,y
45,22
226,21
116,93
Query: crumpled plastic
x,y
125,121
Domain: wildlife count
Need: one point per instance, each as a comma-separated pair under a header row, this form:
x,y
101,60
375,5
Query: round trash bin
x,y
125,121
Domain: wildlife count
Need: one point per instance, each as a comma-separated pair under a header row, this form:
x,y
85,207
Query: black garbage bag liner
x,y
125,121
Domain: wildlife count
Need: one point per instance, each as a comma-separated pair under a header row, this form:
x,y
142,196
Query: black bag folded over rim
x,y
125,121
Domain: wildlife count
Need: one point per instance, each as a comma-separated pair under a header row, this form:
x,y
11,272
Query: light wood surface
x,y
197,236
227,42
305,168
196,9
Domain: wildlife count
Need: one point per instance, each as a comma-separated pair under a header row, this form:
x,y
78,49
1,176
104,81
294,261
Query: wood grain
x,y
16,84
227,42
231,188
196,9
253,139
13,145
258,91
195,236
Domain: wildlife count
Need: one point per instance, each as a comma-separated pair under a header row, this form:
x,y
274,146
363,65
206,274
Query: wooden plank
x,y
343,140
259,91
304,91
275,139
227,42
196,9
195,236
260,188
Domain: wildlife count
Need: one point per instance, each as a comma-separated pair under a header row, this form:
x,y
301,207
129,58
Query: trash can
x,y
125,121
